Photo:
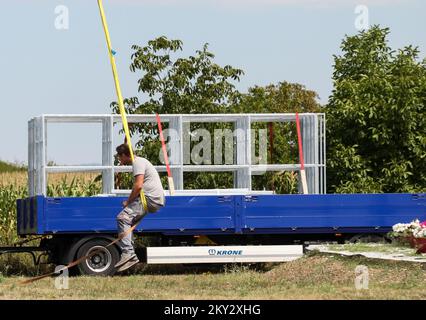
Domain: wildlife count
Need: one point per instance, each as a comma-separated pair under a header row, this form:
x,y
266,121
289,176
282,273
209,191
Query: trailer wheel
x,y
100,264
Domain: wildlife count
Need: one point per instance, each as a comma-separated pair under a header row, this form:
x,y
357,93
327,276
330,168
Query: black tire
x,y
100,264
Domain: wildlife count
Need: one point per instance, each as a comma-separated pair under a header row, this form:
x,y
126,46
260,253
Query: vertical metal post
x,y
320,124
312,154
176,150
303,128
315,146
31,166
242,133
325,155
44,154
38,156
107,156
248,171
112,154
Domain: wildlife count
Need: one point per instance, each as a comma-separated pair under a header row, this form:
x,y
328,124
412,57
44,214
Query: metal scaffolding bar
x,y
243,168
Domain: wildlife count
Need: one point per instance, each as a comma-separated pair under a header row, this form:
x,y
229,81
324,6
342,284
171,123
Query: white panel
x,y
223,254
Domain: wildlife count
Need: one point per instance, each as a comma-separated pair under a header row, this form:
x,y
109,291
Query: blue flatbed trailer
x,y
75,225
229,214
202,224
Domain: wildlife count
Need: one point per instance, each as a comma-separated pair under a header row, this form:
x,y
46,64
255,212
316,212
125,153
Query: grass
x,y
21,265
315,276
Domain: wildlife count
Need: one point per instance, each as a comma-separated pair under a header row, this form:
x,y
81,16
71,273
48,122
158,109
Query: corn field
x,y
8,196
21,178
13,186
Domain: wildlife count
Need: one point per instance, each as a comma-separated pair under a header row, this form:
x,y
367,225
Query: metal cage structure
x,y
243,168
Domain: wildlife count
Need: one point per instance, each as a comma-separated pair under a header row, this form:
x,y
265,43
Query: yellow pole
x,y
118,90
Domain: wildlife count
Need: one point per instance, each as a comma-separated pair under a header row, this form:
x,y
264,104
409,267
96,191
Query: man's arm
x,y
136,191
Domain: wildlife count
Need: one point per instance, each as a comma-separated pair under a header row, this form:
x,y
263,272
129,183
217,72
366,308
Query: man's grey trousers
x,y
127,218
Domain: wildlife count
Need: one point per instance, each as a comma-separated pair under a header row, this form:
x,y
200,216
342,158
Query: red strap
x,y
166,157
299,140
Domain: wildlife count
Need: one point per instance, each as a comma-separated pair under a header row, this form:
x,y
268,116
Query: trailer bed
x,y
227,214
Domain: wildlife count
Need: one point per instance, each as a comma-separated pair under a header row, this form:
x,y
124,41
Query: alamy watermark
x,y
362,277
62,17
62,280
222,147
362,20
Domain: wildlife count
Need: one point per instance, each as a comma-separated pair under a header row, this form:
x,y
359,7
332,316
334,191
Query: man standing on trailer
x,y
148,180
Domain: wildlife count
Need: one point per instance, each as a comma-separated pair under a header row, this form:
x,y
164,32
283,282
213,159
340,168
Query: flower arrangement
x,y
413,232
406,229
420,233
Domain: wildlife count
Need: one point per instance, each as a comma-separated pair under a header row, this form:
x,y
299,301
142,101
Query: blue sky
x,y
45,70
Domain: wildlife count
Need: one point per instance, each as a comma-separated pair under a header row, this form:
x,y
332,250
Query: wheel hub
x,y
100,261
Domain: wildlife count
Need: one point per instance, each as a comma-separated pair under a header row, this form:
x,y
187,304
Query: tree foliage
x,y
175,84
283,97
171,84
376,117
196,84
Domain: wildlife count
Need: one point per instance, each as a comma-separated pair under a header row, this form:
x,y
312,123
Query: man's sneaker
x,y
125,257
128,264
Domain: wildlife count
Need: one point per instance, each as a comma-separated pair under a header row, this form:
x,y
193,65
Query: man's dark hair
x,y
123,149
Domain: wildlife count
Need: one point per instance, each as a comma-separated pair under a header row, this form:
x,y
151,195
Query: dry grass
x,y
312,277
20,178
13,178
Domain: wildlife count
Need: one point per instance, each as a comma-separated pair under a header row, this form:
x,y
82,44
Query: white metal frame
x,y
313,137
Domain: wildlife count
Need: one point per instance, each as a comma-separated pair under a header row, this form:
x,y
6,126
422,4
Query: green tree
x,y
180,85
171,84
283,97
376,121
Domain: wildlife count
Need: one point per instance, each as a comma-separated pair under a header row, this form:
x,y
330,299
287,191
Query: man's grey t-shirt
x,y
152,184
